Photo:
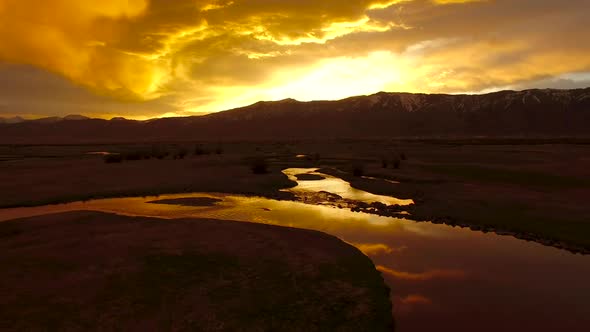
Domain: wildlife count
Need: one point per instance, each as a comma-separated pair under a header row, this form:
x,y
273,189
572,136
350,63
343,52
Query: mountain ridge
x,y
536,112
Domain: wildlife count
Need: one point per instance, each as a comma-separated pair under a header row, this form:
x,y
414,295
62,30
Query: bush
x,y
161,155
180,154
259,166
316,157
396,163
384,162
358,170
200,150
113,158
159,152
133,156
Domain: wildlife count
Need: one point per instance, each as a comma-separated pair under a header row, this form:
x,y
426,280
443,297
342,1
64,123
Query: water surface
x,y
339,187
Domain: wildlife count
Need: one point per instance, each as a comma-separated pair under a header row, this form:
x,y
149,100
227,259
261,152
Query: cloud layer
x,y
189,56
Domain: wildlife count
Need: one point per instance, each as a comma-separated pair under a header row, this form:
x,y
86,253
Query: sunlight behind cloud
x,y
329,79
333,31
212,55
341,77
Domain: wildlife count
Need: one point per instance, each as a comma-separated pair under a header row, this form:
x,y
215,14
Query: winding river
x,y
442,278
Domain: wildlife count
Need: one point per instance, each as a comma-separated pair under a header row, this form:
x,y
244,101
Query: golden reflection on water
x,y
374,248
339,187
423,276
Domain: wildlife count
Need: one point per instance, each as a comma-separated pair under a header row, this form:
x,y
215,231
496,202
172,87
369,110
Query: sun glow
x,y
331,32
142,58
341,77
329,79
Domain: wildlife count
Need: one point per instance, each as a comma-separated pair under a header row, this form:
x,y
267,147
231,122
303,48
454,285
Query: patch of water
x,y
337,186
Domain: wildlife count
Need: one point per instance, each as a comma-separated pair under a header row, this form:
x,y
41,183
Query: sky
x,y
153,58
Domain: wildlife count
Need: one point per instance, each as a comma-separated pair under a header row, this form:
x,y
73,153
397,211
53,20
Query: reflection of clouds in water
x,y
407,304
331,214
422,276
372,249
338,186
308,216
415,299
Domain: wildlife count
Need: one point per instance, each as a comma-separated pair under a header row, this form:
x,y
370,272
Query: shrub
x,y
396,163
133,155
200,150
259,166
162,155
358,170
180,154
316,157
159,152
113,158
384,162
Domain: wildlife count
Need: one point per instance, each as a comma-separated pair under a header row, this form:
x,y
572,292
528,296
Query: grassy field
x,y
537,189
89,271
527,186
72,175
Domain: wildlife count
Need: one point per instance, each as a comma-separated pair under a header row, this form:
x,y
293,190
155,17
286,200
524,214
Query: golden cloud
x,y
68,37
209,55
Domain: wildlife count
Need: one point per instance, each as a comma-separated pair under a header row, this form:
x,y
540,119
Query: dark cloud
x,y
33,93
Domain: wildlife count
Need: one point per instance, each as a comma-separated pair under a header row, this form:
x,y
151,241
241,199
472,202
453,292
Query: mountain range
x,y
529,113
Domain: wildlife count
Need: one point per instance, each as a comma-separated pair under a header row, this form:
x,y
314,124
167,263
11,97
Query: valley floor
x,y
526,188
90,271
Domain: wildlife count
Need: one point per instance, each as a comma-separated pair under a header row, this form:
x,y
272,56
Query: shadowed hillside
x,y
539,113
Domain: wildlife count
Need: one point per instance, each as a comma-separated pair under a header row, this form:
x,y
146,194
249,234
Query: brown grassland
x,y
90,271
530,189
520,186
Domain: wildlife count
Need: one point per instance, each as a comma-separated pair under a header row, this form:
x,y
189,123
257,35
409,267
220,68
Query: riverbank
x,y
33,182
544,203
95,271
435,271
534,191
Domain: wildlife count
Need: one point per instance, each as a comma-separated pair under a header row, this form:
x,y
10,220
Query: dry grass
x,y
90,271
526,185
44,181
